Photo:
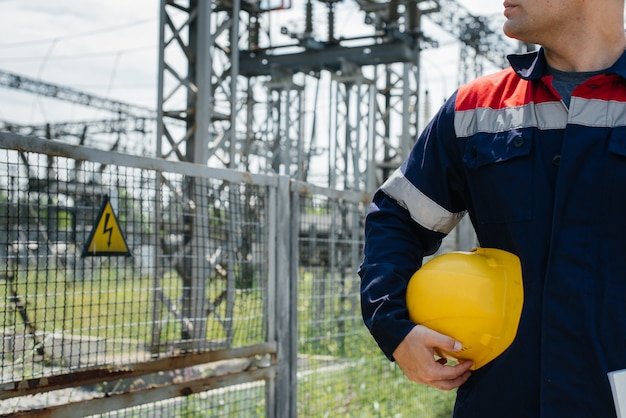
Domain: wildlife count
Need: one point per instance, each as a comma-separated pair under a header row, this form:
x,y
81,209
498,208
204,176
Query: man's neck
x,y
591,52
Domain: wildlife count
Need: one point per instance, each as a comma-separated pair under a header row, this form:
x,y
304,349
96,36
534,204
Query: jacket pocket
x,y
500,176
617,142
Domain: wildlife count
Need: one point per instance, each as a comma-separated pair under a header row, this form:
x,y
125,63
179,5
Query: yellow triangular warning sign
x,y
106,237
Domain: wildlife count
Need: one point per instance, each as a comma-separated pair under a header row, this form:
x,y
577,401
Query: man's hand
x,y
416,357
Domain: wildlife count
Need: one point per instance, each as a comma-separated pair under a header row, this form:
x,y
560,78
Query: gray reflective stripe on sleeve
x,y
423,210
549,115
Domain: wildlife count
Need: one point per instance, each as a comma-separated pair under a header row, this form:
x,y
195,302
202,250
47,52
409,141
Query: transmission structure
x,y
243,97
113,133
230,96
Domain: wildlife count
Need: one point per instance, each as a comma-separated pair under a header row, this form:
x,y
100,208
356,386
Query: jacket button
x,y
556,160
518,141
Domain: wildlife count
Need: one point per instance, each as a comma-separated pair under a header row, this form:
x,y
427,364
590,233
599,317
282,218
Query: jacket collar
x,y
531,65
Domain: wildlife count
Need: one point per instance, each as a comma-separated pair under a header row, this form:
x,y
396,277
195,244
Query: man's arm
x,y
393,252
409,217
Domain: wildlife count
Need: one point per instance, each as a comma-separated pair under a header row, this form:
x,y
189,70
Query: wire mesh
x,y
244,400
195,278
341,371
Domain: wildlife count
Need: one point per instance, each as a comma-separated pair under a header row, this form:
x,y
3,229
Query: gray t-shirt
x,y
565,82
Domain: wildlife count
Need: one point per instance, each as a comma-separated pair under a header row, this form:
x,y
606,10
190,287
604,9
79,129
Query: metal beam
x,y
332,58
31,85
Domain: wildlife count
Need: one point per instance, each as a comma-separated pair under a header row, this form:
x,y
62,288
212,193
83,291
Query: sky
x,y
110,48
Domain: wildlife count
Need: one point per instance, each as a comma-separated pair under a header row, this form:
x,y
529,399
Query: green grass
x,y
372,387
343,372
119,304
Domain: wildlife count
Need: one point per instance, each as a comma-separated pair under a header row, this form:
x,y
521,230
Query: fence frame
x,y
281,342
280,380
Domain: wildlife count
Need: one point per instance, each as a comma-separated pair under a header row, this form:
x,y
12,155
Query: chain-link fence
x,y
132,286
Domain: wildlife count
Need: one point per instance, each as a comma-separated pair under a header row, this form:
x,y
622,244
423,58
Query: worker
x,y
535,155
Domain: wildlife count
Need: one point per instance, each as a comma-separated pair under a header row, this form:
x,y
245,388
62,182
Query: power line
x,y
77,35
82,55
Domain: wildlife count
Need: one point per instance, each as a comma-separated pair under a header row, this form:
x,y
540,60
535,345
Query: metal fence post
x,y
285,310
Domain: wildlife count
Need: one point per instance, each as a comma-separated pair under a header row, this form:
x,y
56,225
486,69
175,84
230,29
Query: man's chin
x,y
510,31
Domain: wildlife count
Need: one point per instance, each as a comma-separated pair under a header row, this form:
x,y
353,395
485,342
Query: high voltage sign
x,y
106,237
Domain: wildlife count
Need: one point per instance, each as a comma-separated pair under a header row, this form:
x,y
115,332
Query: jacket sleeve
x,y
408,217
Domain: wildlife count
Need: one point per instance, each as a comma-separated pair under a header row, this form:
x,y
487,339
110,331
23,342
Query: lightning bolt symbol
x,y
108,230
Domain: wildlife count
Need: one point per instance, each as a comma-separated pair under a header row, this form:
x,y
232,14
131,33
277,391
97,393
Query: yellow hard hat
x,y
474,297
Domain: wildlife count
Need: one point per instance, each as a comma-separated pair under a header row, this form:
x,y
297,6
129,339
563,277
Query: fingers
x,y
447,377
416,357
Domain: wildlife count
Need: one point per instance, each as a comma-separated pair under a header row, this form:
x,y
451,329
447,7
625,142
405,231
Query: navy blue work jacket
x,y
537,179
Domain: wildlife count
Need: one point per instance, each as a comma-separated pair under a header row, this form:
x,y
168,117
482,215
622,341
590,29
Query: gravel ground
x,y
41,400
